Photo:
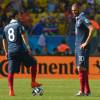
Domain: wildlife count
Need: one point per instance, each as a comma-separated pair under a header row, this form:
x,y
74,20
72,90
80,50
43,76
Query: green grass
x,y
54,89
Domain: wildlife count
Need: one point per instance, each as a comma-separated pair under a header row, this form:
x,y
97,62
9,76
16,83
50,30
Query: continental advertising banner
x,y
53,67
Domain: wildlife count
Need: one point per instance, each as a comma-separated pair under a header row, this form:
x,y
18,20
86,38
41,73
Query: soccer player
x,y
18,51
83,34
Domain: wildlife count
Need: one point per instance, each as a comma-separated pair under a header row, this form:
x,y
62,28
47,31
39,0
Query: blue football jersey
x,y
81,29
12,33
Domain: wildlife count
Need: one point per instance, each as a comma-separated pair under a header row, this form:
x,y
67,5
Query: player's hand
x,y
6,54
30,52
82,46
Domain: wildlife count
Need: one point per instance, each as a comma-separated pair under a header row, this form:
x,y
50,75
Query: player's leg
x,y
33,74
82,82
36,87
10,84
87,88
10,77
10,74
30,61
79,61
13,66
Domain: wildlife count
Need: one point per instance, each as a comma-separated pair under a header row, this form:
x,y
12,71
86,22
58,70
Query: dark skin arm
x,y
24,37
91,30
5,46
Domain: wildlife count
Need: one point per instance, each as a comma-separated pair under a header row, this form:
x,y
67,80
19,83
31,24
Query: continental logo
x,y
54,66
43,68
4,68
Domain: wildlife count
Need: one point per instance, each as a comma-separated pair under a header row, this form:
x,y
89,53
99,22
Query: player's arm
x,y
25,39
5,46
91,30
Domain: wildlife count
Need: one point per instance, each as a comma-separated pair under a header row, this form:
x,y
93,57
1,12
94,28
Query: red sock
x,y
10,81
82,81
33,73
87,88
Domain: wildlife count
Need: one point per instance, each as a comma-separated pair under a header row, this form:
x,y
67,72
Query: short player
x,y
18,51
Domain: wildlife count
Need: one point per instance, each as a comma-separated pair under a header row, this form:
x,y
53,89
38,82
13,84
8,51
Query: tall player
x,y
83,33
18,51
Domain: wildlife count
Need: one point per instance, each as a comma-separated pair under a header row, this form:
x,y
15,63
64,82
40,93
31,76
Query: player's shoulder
x,y
82,15
6,27
11,23
21,26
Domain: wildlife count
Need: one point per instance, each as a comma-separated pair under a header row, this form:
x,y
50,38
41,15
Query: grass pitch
x,y
54,89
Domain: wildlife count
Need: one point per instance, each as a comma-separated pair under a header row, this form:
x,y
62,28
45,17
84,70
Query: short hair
x,y
13,14
76,5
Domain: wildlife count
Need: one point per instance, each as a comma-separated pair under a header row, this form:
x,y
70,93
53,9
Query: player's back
x,y
12,33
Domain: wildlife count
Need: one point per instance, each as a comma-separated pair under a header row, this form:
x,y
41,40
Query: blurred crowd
x,y
50,18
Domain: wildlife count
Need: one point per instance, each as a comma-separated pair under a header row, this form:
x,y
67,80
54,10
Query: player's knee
x,y
82,68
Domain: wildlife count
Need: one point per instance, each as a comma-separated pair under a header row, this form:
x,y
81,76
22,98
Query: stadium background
x,y
50,29
54,60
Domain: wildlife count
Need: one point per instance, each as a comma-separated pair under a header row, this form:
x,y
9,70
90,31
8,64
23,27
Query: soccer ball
x,y
37,91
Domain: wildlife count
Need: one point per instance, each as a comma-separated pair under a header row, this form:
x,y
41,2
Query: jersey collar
x,y
13,21
80,15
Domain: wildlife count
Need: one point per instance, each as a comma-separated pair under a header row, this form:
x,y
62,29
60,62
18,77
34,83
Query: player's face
x,y
75,11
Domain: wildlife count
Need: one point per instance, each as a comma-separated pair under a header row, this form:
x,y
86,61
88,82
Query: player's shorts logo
x,y
81,58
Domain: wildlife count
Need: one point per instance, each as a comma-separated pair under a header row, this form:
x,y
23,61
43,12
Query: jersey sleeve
x,y
3,36
86,21
22,29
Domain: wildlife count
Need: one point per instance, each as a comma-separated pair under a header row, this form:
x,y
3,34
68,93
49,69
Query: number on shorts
x,y
11,35
81,58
